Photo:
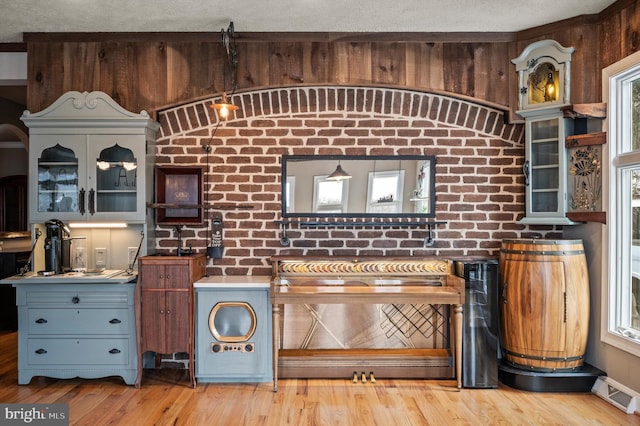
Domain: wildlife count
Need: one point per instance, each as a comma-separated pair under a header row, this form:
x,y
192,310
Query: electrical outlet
x,y
132,255
101,257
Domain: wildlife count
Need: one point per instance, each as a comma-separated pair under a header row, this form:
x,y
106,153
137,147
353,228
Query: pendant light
x,y
339,174
224,107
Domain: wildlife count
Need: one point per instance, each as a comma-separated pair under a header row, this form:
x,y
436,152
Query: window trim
x,y
613,274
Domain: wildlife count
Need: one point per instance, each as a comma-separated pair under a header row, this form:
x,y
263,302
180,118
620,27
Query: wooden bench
x,y
363,280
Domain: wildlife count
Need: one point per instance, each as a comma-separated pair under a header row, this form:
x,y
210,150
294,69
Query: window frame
x,y
616,235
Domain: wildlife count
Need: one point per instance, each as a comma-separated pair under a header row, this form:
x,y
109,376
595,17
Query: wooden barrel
x,y
544,304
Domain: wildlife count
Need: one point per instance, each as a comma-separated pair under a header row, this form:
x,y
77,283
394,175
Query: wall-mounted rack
x,y
345,223
199,206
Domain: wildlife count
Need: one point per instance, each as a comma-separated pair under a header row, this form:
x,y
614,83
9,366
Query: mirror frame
x,y
286,158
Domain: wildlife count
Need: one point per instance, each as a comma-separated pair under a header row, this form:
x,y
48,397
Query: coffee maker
x,y
57,247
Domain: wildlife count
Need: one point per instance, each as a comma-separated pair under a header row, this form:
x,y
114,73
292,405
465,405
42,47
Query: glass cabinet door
x,y
544,170
113,167
59,187
116,183
544,164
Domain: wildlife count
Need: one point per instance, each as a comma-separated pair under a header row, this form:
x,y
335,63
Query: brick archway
x,y
292,101
479,184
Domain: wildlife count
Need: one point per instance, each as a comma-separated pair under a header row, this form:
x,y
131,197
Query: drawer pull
x,y
41,351
75,300
115,321
114,351
41,321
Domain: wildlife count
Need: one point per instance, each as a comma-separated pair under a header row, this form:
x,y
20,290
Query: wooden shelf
x,y
591,110
588,216
586,139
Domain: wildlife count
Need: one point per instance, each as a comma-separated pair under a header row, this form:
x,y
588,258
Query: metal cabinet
x,y
481,325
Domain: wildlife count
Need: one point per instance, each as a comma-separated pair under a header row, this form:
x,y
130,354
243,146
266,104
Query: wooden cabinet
x,y
76,330
89,159
167,305
13,203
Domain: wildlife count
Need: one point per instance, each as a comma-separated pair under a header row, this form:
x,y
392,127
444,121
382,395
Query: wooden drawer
x,y
78,321
76,298
77,352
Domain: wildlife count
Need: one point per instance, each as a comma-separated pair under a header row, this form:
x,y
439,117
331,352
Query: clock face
x,y
543,84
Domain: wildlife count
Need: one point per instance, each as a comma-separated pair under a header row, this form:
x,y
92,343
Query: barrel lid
x,y
540,241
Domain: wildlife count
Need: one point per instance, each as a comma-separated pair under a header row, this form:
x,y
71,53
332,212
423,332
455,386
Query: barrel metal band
x,y
544,369
545,358
542,253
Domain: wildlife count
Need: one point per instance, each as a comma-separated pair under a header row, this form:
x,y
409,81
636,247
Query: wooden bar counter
x,y
402,283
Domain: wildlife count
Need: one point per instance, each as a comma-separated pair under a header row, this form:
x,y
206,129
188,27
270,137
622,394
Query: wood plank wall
x,y
166,69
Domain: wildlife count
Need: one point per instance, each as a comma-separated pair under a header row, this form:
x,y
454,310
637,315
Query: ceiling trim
x,y
255,37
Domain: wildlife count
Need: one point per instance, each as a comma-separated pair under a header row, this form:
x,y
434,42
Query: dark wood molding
x,y
267,37
615,8
13,47
564,25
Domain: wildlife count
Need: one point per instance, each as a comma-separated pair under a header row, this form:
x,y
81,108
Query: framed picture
x,y
179,195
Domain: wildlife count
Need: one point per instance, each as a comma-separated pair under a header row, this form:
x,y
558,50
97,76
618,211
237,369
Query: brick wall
x,y
479,182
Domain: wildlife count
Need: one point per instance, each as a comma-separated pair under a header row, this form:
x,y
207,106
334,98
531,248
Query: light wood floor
x,y
166,399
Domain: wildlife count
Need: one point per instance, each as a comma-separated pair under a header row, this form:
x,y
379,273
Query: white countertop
x,y
107,276
234,281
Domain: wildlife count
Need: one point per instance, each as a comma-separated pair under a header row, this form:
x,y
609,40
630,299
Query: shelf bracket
x,y
284,240
429,241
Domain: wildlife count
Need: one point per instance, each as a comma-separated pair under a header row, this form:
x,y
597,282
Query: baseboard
x,y
616,394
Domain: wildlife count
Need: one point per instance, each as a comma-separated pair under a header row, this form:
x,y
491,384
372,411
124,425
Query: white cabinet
x,y
76,330
545,169
544,74
90,160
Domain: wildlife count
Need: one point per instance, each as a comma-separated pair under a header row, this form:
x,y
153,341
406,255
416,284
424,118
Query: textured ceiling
x,y
22,16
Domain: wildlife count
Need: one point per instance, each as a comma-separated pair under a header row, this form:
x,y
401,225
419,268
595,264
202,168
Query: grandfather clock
x,y
543,79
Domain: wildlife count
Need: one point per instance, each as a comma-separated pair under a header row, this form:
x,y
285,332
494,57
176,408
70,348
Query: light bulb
x,y
224,111
129,166
103,165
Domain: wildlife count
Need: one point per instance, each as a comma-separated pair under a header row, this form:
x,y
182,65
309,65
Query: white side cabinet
x,y
545,169
89,160
76,330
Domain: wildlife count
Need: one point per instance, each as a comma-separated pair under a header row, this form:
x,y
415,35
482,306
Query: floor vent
x,y
616,394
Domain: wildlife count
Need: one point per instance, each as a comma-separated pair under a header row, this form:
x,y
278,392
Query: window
x,y
621,194
330,196
385,192
290,190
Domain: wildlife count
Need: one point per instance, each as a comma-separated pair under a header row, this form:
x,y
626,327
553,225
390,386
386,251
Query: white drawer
x,y
78,321
76,298
77,352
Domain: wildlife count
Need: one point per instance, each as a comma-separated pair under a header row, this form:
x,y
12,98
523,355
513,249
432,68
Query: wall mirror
x,y
358,186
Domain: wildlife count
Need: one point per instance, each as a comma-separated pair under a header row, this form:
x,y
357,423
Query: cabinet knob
x,y
114,351
168,312
162,311
168,276
75,300
115,321
161,276
41,321
41,351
